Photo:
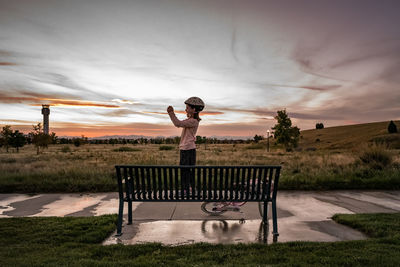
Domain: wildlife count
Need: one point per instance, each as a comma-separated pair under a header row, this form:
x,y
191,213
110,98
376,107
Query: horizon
x,y
113,68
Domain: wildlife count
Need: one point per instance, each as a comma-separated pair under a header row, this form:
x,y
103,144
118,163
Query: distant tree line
x,y
16,139
156,140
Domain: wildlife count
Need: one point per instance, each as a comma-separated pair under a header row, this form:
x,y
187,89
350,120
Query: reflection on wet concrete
x,y
183,232
223,232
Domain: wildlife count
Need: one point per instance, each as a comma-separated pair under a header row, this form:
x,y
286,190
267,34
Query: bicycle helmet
x,y
196,102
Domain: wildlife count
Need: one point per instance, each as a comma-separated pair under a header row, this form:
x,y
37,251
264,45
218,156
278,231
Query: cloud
x,y
5,53
321,87
125,112
336,61
316,87
258,111
35,99
77,91
3,63
305,58
122,101
67,102
203,113
11,121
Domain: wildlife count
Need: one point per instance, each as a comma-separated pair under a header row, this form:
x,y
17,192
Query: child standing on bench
x,y
187,145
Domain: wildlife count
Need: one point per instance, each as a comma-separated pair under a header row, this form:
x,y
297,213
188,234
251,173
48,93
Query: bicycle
x,y
218,208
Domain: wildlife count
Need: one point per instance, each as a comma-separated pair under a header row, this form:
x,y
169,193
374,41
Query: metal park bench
x,y
208,184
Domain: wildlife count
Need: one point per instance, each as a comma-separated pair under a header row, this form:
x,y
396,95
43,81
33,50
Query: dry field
x,y
66,168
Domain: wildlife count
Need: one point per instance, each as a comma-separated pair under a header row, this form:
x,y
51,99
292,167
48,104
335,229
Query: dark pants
x,y
187,157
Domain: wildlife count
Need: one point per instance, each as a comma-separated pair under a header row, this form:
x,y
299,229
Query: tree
x,y
6,135
392,127
39,138
284,132
18,140
54,138
319,126
84,140
257,138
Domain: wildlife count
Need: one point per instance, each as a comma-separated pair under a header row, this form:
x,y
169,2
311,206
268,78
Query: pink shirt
x,y
188,136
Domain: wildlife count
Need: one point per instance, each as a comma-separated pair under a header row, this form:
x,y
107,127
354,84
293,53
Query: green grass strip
x,y
76,241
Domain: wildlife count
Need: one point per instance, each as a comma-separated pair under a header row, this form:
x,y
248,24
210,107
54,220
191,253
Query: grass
x,y
126,149
76,241
90,168
376,156
349,136
167,148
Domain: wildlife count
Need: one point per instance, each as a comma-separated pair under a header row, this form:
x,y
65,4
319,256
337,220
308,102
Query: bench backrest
x,y
209,183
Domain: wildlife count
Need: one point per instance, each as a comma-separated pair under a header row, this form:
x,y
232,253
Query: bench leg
x,y
120,217
129,211
274,220
265,212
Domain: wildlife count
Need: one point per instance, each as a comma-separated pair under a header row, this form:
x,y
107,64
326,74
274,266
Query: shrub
x,y
319,126
376,156
256,146
390,140
125,149
392,127
311,149
65,149
8,160
167,147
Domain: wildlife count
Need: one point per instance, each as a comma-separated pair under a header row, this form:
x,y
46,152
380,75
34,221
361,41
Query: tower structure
x,y
46,113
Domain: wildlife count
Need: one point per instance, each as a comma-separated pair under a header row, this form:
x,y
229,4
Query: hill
x,y
349,136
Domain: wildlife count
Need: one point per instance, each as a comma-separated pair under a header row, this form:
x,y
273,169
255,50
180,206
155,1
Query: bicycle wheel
x,y
212,208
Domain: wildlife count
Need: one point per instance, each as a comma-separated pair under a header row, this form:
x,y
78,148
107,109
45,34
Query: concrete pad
x,y
302,215
17,205
153,210
337,231
386,201
305,206
109,205
10,204
32,205
69,204
350,202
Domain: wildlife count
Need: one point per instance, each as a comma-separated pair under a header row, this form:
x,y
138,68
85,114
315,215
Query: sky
x,y
113,67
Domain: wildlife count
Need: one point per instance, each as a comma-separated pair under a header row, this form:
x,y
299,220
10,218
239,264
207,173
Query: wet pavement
x,y
302,216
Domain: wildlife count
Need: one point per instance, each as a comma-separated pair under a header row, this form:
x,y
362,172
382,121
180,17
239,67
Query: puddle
x,y
182,232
